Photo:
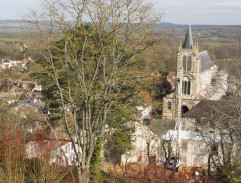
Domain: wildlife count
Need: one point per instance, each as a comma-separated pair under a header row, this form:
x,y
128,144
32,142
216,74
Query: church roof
x,y
206,61
202,109
160,126
188,42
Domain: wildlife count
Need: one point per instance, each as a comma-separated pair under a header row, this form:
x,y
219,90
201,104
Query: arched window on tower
x,y
186,86
189,63
184,62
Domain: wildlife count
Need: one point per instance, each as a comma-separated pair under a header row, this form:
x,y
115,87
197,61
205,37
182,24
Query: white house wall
x,y
140,138
64,155
196,149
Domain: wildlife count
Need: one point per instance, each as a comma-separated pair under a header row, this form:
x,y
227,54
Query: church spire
x,y
188,42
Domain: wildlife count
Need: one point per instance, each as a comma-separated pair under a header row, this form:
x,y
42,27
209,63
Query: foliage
x,y
221,131
10,49
89,71
16,165
117,143
160,57
96,157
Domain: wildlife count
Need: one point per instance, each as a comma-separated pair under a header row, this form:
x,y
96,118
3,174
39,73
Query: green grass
x,y
12,29
230,60
216,41
9,39
214,44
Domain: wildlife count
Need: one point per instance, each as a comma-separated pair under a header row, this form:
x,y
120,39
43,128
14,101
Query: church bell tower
x,y
188,59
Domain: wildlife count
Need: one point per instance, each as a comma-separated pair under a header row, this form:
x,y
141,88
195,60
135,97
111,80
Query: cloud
x,y
229,4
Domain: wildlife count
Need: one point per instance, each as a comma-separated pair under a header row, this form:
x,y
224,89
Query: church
x,y
197,80
200,79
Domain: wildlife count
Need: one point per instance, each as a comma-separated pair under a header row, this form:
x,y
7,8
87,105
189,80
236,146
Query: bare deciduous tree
x,y
221,128
89,69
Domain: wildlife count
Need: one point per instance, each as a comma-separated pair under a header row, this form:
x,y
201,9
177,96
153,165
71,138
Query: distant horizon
x,y
198,12
158,23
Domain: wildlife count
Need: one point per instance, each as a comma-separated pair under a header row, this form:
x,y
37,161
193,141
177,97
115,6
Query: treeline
x,y
160,57
226,51
11,49
9,34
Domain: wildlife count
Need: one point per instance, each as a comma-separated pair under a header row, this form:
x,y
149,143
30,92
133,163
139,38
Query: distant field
x,y
10,33
230,60
215,44
9,39
12,29
216,39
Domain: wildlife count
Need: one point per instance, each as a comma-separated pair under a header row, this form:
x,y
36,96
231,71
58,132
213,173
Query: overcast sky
x,y
176,11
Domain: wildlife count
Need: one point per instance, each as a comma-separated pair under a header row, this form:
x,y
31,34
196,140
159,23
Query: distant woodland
x,y
222,42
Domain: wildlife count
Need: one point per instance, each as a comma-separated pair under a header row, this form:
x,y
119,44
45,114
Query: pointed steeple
x,y
188,42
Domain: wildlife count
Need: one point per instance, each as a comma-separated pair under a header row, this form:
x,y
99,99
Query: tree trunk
x,y
209,164
83,175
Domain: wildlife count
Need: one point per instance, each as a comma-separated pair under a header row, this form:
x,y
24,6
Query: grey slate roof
x,y
6,60
160,126
206,61
202,109
188,42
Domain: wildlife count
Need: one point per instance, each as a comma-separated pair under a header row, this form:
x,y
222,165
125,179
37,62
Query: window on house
x,y
58,152
147,122
169,105
183,159
189,63
184,147
198,121
214,149
184,62
195,147
70,160
204,121
213,82
211,125
67,148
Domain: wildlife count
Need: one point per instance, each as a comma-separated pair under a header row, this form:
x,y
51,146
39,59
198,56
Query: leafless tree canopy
x,y
222,125
91,67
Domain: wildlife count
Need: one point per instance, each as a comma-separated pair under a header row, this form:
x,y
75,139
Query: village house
x,y
61,154
8,63
54,151
145,138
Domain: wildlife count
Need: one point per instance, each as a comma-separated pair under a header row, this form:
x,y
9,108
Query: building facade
x,y
200,79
